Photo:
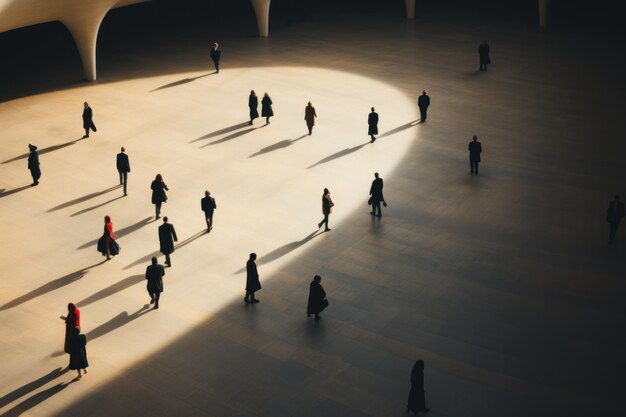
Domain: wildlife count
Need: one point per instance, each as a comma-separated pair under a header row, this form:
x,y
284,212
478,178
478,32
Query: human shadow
x,y
116,322
276,146
50,286
400,128
5,193
145,259
181,82
37,399
221,131
44,150
231,136
83,198
112,289
122,232
31,386
344,152
88,209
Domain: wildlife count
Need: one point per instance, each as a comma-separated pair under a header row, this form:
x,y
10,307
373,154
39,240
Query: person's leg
x,y
157,209
168,261
247,297
86,132
121,180
376,208
151,297
326,222
267,120
425,114
125,183
252,298
157,295
207,220
317,316
210,220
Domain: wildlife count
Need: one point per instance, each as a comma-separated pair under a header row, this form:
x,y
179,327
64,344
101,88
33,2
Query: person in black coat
x,y
372,122
266,108
253,104
327,205
317,298
208,206
309,117
216,54
78,352
475,148
614,216
154,276
167,237
483,53
33,164
376,196
423,102
252,280
123,168
88,120
417,399
159,197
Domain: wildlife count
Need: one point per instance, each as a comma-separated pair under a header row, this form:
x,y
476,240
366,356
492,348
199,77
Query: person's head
x,y
372,109
265,94
159,178
419,364
617,198
253,256
326,191
86,104
154,260
165,219
32,147
376,174
207,193
123,150
71,308
475,138
252,93
317,279
107,219
309,104
424,92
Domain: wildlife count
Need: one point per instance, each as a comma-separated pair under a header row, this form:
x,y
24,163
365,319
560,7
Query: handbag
x,y
369,201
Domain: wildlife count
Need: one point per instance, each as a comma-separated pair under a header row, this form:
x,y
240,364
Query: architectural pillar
x,y
544,10
262,11
410,9
84,28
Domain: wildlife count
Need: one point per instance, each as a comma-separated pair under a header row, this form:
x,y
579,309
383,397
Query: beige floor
x,y
503,284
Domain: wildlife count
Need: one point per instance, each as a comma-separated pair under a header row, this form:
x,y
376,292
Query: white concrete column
x,y
544,10
84,28
262,11
410,9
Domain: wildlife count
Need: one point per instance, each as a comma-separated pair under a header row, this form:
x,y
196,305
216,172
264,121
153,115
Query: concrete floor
x,y
504,284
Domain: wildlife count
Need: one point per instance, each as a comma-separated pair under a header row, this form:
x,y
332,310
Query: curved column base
x,y
262,11
84,30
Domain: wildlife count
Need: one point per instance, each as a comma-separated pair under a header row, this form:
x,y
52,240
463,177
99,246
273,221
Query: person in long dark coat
x,y
167,237
423,102
475,148
252,280
376,196
107,245
72,320
88,120
216,55
33,164
266,108
327,204
208,206
417,398
159,197
483,53
154,276
78,352
123,168
317,298
372,123
253,104
614,216
309,117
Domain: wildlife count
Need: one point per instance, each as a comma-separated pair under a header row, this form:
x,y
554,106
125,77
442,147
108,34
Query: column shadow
x,y
116,322
181,82
276,146
121,232
400,128
31,386
82,199
231,136
37,399
145,259
88,209
344,152
5,193
44,150
221,132
112,289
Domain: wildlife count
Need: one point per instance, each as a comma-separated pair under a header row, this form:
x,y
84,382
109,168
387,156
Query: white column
x,y
262,11
410,9
544,10
84,27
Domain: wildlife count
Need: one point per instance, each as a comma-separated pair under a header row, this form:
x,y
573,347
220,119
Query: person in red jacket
x,y
72,321
107,245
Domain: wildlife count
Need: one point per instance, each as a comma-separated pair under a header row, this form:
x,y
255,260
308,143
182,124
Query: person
x,y
123,168
309,116
475,148
376,196
317,298
207,204
33,164
614,216
483,53
253,104
252,280
72,321
167,237
159,197
417,399
88,120
423,102
154,276
216,54
372,122
327,204
78,352
107,245
266,108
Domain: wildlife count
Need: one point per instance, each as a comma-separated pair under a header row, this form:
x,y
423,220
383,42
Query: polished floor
x,y
504,284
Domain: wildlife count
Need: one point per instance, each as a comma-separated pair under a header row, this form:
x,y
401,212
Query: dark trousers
x,y
155,296
376,208
216,63
423,113
249,295
324,221
208,216
157,209
168,261
474,167
89,125
614,225
36,174
124,179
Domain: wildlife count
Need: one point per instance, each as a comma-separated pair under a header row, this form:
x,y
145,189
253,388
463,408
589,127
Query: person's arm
x,y
174,234
165,186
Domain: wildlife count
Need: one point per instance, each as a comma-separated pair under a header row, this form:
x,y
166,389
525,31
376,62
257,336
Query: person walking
x,y
372,122
614,216
33,164
417,398
159,197
376,196
88,120
253,104
78,352
123,168
266,108
317,298
154,276
72,321
309,116
483,53
167,237
208,206
423,102
475,148
216,55
327,204
252,280
107,245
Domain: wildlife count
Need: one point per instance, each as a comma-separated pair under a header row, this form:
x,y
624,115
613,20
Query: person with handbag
x,y
159,197
88,120
327,204
317,298
376,196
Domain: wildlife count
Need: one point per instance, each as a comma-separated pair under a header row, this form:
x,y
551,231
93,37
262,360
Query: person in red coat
x,y
107,245
72,321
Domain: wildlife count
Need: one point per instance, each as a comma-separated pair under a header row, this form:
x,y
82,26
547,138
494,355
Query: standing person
x,y
123,168
266,108
107,245
309,116
614,216
33,164
327,204
423,102
317,298
88,120
252,280
417,398
253,104
167,237
475,148
154,275
208,206
159,197
372,122
216,54
376,196
78,352
72,321
483,53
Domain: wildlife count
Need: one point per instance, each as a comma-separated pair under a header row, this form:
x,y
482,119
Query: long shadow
x,y
31,386
276,146
221,132
112,289
4,193
145,259
50,286
88,209
400,128
231,136
122,232
83,198
36,399
181,82
338,155
116,322
44,150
